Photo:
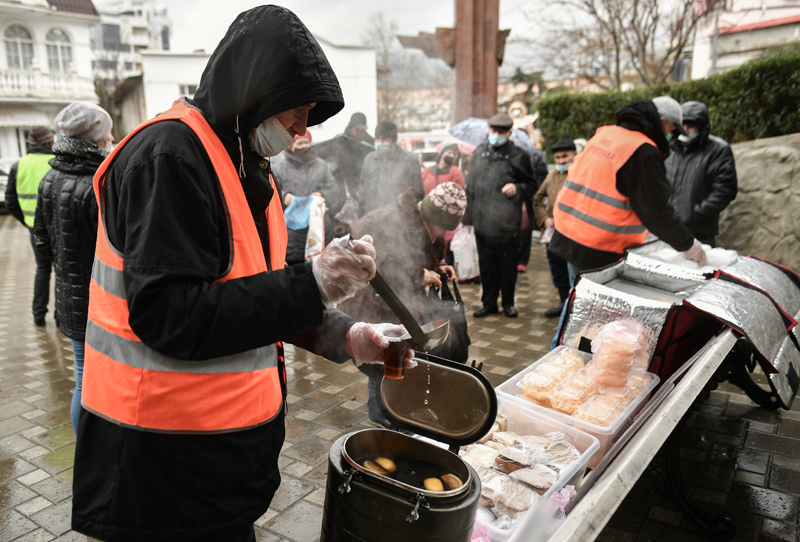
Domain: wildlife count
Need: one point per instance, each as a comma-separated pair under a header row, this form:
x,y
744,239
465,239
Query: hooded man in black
x,y
702,172
163,210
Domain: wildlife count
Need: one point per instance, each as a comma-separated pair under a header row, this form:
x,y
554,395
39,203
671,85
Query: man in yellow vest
x,y
21,192
184,383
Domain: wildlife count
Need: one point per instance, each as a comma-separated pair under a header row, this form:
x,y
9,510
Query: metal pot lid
x,y
442,400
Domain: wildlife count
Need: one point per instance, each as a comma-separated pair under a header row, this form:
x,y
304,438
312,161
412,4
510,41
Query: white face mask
x,y
270,138
688,138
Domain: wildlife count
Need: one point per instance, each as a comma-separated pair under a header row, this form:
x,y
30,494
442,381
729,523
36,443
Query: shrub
x,y
759,99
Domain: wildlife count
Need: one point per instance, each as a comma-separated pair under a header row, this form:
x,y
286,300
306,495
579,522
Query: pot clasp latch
x,y
419,501
345,488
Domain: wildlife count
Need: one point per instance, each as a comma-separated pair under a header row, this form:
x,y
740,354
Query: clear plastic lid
x,y
583,380
538,386
622,394
566,361
598,411
557,372
567,399
638,379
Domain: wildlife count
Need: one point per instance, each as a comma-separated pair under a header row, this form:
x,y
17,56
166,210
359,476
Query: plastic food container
x,y
523,421
510,391
538,386
567,399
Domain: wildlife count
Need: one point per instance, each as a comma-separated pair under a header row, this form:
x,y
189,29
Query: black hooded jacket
x,y
702,174
165,214
643,180
65,229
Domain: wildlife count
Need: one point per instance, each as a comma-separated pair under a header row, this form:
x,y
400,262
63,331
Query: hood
x,y
697,113
268,62
642,116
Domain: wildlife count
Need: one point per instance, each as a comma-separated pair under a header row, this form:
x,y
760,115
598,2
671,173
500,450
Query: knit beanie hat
x,y
444,206
40,135
84,120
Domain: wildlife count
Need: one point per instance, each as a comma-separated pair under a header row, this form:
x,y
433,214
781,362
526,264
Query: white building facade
x,y
166,76
747,28
46,65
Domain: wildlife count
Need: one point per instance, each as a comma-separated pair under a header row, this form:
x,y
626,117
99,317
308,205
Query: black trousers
x,y
558,268
497,258
41,282
525,245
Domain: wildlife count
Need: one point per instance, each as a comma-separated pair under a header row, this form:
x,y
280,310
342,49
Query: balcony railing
x,y
37,84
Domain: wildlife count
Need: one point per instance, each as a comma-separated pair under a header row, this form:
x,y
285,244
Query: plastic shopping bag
x,y
315,240
298,213
465,253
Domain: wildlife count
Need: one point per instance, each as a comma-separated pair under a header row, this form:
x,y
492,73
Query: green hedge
x,y
759,99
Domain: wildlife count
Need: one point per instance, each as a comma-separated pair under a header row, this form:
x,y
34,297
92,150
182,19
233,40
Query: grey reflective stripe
x,y
108,278
26,196
138,355
29,213
602,198
603,225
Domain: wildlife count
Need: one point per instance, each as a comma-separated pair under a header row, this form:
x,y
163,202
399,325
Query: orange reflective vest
x,y
589,209
129,383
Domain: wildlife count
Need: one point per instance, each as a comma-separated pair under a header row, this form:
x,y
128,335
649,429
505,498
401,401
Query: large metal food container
x,y
449,402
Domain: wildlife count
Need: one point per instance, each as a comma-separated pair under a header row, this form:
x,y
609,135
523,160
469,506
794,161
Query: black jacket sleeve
x,y
523,175
643,180
41,224
721,177
12,202
165,214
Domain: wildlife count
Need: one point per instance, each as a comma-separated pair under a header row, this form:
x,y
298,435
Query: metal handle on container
x,y
414,514
345,488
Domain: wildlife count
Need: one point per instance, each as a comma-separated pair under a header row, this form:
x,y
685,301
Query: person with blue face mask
x,y
387,171
500,180
543,201
702,173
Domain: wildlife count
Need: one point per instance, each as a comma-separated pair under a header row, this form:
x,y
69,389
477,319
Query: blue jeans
x,y
574,271
75,408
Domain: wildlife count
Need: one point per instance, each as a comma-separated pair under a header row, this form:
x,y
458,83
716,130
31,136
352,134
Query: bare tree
x,y
380,34
609,42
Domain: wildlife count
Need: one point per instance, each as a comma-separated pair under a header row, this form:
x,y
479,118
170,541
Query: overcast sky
x,y
200,24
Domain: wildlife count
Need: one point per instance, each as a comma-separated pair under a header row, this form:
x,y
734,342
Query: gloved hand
x,y
366,343
696,253
342,272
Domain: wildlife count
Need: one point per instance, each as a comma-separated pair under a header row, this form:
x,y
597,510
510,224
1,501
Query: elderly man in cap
x,y
563,154
21,191
388,171
702,172
500,179
185,384
617,190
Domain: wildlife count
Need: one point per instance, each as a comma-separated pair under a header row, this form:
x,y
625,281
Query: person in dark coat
x,y
540,170
66,221
409,241
344,155
388,171
702,173
500,179
20,199
165,214
301,174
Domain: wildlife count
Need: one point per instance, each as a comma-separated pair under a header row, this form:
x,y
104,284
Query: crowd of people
x,y
186,256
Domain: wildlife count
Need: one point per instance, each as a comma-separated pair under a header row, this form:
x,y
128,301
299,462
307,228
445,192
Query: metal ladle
x,y
417,337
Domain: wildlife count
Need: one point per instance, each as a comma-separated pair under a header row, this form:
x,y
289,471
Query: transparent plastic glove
x,y
366,343
342,272
696,253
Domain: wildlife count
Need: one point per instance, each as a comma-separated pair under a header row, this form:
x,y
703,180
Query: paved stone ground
x,y
741,460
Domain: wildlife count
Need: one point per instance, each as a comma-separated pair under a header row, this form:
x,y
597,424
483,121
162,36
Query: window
x,y
59,51
188,90
129,66
104,65
106,37
19,48
165,39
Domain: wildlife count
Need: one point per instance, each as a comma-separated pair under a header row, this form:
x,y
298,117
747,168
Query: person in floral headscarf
x,y
409,240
